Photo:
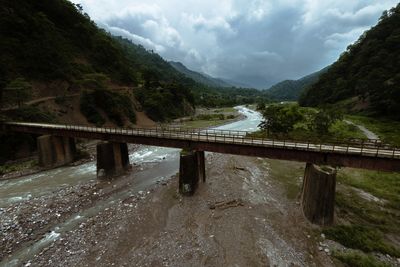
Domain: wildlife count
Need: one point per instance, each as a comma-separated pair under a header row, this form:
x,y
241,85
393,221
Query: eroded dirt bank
x,y
240,217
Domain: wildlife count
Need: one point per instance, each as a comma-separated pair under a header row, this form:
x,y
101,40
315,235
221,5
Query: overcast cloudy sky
x,y
256,42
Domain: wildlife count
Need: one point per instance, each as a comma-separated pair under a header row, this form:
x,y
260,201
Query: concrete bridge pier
x,y
318,194
112,159
55,151
191,170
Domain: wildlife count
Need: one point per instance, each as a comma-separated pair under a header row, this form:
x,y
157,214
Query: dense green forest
x,y
290,90
368,70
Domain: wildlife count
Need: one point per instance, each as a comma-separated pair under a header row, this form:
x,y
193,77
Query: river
x,y
163,162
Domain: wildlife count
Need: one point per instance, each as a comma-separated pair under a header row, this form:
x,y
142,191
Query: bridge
x,y
56,147
365,154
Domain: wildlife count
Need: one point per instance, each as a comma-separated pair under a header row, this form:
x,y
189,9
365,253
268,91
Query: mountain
x,y
368,72
199,77
51,48
237,84
290,90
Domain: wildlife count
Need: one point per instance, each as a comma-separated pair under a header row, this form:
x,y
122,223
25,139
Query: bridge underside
x,y
295,154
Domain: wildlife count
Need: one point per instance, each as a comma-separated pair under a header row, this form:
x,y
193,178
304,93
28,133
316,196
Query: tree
x,y
17,91
260,106
323,120
280,118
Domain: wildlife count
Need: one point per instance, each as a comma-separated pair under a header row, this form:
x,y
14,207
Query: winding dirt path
x,y
368,133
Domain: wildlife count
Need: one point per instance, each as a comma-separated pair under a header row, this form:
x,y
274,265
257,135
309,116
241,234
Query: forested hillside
x,y
369,70
290,90
52,48
199,77
43,42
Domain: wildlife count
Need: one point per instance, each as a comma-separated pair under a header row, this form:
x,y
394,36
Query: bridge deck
x,y
369,154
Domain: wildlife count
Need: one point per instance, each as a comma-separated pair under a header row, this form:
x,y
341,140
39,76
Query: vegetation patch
x,y
116,106
367,205
289,121
12,167
358,259
31,114
288,173
384,185
361,237
209,117
388,130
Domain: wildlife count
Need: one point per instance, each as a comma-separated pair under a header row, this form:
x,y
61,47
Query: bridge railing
x,y
353,146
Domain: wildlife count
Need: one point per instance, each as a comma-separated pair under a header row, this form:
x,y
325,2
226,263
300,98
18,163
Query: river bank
x,y
87,148
246,214
35,196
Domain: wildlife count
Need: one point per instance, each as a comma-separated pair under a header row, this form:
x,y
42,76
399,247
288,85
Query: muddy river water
x,y
164,163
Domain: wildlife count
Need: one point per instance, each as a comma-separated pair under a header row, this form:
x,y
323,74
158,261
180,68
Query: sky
x,y
253,42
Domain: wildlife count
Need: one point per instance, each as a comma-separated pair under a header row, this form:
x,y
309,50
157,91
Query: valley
x,y
199,134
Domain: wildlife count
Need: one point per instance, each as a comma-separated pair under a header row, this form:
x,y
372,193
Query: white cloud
x,y
135,38
342,40
216,24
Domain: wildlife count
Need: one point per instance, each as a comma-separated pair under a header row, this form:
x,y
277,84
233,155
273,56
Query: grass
x,y
365,224
12,167
387,130
361,237
287,173
358,259
210,118
381,184
203,123
225,110
338,131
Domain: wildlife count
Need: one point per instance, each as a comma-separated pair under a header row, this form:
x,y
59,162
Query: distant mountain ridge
x,y
199,77
290,90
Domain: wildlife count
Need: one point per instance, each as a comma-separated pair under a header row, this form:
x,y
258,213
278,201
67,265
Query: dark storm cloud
x,y
253,42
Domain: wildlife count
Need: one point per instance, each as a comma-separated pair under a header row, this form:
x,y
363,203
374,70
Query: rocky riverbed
x,y
239,217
